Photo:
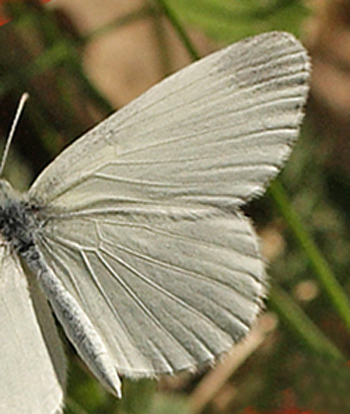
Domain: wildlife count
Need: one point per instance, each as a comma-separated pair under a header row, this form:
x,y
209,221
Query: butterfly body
x,y
17,220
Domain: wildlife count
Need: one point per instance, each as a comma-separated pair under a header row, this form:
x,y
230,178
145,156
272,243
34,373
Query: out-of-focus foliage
x,y
227,20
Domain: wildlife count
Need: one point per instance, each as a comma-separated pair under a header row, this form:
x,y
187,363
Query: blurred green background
x,y
81,60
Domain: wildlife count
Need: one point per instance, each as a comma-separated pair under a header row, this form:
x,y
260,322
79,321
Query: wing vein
x,y
139,302
198,80
197,275
169,294
249,108
55,257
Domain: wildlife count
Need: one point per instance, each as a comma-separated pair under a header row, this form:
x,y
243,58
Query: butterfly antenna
x,y
19,111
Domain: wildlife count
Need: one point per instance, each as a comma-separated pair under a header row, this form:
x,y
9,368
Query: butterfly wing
x,y
166,291
33,368
214,133
135,224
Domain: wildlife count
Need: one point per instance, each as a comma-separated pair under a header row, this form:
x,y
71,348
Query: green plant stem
x,y
324,275
304,329
122,21
179,29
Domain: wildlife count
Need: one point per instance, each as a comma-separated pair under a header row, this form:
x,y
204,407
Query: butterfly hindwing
x,y
165,292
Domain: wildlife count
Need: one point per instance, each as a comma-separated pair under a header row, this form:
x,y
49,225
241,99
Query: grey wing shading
x,y
33,367
165,290
214,133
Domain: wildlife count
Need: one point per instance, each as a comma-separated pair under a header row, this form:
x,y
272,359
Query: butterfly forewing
x,y
213,133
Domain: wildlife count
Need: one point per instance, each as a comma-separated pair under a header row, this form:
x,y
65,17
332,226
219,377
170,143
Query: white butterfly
x,y
134,233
